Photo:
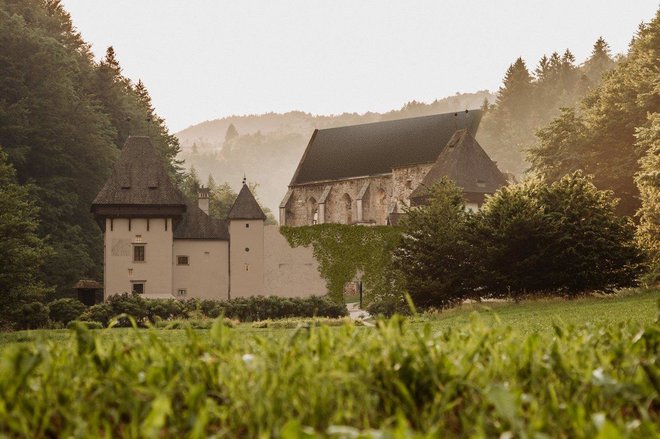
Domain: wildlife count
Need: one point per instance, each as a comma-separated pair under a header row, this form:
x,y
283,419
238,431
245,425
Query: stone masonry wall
x,y
341,204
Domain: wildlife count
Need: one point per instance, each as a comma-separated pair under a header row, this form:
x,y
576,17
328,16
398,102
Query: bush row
x,y
247,309
58,313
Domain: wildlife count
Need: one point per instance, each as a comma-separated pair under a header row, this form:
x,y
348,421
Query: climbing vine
x,y
346,252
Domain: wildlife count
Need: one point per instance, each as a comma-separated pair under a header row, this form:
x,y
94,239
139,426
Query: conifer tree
x,y
232,133
22,252
599,62
648,182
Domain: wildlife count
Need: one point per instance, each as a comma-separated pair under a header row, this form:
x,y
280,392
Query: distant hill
x,y
269,146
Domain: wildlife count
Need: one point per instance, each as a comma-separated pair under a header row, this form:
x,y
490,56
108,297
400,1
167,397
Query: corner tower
x,y
246,246
138,209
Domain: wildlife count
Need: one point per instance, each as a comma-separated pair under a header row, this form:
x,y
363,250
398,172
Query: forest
x,y
64,117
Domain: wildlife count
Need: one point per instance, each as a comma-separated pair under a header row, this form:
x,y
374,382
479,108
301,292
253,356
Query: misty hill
x,y
267,147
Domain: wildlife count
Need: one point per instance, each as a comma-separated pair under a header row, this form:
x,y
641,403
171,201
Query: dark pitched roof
x,y
245,206
464,161
139,178
87,284
198,225
376,148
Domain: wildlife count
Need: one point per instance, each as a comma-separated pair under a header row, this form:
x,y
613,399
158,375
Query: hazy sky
x,y
202,60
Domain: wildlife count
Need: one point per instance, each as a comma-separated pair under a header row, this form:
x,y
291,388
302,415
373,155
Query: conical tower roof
x,y
465,162
246,207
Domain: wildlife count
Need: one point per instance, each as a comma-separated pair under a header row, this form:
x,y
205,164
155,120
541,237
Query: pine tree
x,y
22,252
433,254
232,133
599,62
648,182
514,97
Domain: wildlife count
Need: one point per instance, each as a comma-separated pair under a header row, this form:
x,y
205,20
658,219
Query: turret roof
x,y
245,206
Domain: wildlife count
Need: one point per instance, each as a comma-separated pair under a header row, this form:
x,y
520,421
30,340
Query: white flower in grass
x,y
248,359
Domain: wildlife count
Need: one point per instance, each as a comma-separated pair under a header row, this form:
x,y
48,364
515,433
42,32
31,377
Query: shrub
x,y
65,310
89,325
303,323
101,312
560,238
246,309
387,305
433,254
31,316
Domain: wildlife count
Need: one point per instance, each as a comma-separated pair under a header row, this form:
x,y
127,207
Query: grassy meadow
x,y
547,368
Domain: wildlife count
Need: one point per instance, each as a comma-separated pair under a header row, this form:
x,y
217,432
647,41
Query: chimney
x,y
203,199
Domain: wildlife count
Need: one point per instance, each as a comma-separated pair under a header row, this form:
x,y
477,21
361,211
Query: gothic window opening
x,y
348,208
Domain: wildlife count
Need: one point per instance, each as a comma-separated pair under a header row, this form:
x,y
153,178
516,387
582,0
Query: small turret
x,y
246,249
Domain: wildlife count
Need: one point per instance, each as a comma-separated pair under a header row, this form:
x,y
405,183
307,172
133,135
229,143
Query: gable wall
x,y
406,179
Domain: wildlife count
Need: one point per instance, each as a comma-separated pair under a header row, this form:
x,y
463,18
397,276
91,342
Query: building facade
x,y
159,244
370,173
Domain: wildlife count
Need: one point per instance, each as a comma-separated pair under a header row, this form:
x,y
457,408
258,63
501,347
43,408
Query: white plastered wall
x,y
207,274
121,271
246,258
289,272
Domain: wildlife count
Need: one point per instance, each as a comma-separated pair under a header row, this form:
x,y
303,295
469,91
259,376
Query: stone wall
x,y
342,204
406,179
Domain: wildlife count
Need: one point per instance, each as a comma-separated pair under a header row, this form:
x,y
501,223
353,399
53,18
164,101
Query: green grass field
x,y
549,368
526,317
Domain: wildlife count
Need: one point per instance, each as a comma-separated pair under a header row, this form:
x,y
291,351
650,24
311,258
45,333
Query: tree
x,y
599,62
648,182
561,146
563,237
22,252
609,117
232,133
433,254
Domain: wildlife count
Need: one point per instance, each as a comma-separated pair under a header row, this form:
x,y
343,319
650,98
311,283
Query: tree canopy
x,y
63,119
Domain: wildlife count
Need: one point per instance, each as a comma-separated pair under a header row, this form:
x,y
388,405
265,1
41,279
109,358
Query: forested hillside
x,y
63,118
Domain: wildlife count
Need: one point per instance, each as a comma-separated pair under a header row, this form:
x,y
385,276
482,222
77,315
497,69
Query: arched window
x,y
348,208
312,211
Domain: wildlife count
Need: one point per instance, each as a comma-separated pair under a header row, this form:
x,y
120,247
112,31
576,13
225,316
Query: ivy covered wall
x,y
348,252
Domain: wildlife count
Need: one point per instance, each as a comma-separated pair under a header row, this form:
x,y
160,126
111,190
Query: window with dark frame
x,y
138,253
182,260
138,287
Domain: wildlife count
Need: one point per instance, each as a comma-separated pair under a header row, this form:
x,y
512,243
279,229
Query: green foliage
x,y
648,182
65,310
563,237
531,238
527,102
63,118
292,323
600,138
434,255
245,309
346,252
32,315
472,380
22,252
88,325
